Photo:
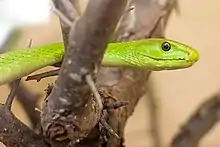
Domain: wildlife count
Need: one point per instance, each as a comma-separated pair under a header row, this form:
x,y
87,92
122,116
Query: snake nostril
x,y
188,53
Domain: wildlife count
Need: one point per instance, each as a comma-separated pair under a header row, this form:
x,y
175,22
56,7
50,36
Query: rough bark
x,y
13,133
70,113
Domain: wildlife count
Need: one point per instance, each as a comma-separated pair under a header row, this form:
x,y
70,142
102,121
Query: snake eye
x,y
166,46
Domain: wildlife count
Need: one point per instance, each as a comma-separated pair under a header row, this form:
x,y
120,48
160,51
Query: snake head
x,y
165,54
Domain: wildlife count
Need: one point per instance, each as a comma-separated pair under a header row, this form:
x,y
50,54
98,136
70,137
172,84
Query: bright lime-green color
x,y
152,54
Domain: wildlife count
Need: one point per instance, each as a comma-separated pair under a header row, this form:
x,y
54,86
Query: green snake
x,y
153,54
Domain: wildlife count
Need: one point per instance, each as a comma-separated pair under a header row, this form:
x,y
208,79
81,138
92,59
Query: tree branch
x,y
12,94
28,100
127,84
14,133
69,9
199,124
69,109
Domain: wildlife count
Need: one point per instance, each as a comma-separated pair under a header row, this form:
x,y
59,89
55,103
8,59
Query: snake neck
x,y
120,54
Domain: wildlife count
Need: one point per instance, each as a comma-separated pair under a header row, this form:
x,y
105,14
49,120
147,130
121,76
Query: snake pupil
x,y
166,46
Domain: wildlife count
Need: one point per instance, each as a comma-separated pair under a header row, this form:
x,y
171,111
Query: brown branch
x,y
43,75
127,84
135,26
94,90
130,87
199,124
14,133
28,100
12,94
69,113
70,11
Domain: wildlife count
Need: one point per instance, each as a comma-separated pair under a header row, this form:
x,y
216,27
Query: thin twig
x,y
108,127
30,43
69,10
73,14
28,100
43,75
38,110
92,86
129,9
62,17
12,94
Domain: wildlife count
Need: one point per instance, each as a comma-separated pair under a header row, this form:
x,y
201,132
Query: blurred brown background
x,y
179,92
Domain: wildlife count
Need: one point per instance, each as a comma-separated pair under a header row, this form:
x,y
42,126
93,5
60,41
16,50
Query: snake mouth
x,y
160,59
175,59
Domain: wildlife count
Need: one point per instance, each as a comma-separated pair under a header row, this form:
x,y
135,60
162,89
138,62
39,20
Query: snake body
x,y
152,54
